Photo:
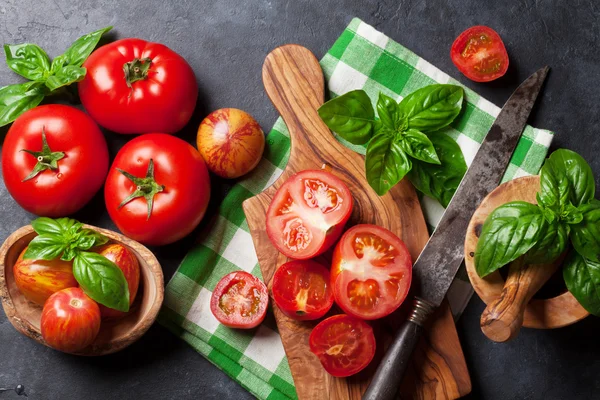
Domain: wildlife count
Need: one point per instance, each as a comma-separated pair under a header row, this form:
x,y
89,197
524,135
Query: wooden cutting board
x,y
294,82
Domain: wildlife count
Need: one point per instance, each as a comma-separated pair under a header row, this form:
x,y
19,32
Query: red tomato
x,y
128,263
170,186
231,142
308,213
301,290
371,272
239,300
344,345
39,279
72,166
479,54
134,86
70,320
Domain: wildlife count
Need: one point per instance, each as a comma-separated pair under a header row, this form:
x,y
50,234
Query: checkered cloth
x,y
362,58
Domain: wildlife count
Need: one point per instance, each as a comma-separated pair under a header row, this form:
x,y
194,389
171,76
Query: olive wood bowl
x,y
115,334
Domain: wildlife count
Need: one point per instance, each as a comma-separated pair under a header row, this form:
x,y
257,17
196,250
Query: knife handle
x,y
387,378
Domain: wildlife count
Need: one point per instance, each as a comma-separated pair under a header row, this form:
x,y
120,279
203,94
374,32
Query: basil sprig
x,y
31,62
98,277
404,139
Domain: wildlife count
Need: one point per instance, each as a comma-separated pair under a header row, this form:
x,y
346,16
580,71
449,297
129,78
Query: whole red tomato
x,y
134,86
54,159
39,279
70,320
157,189
128,263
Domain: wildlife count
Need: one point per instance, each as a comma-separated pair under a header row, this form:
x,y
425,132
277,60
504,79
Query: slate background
x,y
225,42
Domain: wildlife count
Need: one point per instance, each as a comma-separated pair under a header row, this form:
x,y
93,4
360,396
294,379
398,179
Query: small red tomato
x,y
239,300
479,54
39,279
344,345
231,142
70,320
128,263
308,214
301,290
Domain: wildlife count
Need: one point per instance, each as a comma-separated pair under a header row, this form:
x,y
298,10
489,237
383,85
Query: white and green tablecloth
x,y
361,58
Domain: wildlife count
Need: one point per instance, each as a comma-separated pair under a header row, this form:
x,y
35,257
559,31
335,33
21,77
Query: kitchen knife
x,y
436,267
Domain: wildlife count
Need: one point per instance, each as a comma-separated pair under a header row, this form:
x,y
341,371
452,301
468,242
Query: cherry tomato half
x,y
239,300
308,213
479,54
371,272
301,290
344,345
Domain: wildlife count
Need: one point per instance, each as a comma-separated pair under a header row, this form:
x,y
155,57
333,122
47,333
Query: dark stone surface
x,y
225,42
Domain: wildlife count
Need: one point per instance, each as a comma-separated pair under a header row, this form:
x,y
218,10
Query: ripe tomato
x,y
70,320
239,300
128,263
39,279
231,142
344,345
59,177
308,214
134,86
479,54
301,290
371,272
157,189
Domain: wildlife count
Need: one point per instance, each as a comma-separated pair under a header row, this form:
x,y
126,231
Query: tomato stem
x,y
136,70
46,159
145,187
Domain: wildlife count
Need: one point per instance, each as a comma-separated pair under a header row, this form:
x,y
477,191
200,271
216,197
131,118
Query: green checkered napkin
x,y
361,58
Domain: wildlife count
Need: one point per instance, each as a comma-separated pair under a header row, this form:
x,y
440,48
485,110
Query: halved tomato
x,y
344,345
301,290
371,272
308,214
239,300
479,54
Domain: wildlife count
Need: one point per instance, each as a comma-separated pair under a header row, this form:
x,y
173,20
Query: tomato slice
x,y
371,272
301,290
239,300
308,214
479,54
344,345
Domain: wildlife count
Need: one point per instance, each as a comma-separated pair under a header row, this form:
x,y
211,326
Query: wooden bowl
x,y
115,334
549,313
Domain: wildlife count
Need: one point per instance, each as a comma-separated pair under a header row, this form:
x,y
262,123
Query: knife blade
x,y
435,268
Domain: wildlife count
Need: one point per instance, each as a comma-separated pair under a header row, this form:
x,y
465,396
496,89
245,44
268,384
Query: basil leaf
x,y
417,145
80,50
28,60
102,280
350,115
45,247
16,99
440,181
508,233
571,214
65,76
585,235
385,162
582,277
47,226
433,107
389,113
89,238
553,241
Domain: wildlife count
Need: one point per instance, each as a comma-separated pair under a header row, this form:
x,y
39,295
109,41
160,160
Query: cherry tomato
x,y
371,272
70,320
301,290
344,345
134,86
39,279
308,213
128,263
231,142
479,54
157,189
54,159
239,300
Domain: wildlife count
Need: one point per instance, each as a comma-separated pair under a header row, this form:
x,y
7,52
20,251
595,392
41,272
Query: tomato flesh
x,y
344,345
479,54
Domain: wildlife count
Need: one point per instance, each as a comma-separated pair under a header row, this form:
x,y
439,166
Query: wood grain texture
x,y
294,82
515,294
115,334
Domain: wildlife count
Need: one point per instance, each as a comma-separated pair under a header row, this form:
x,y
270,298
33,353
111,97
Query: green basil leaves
x,y
582,277
350,116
